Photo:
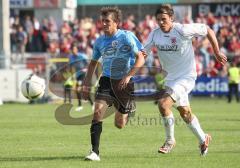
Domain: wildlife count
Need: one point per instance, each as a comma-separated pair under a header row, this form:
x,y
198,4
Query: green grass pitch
x,y
31,137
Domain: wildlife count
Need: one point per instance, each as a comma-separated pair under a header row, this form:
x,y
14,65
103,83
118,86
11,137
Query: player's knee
x,y
97,115
163,106
119,126
186,116
120,123
185,113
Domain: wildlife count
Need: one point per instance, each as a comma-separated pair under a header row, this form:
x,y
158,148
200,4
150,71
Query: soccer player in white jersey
x,y
174,44
122,55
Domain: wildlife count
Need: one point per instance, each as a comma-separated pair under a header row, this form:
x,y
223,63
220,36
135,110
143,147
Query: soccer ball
x,y
33,87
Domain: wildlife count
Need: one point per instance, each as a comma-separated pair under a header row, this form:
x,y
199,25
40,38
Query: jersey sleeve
x,y
149,43
96,52
194,30
136,44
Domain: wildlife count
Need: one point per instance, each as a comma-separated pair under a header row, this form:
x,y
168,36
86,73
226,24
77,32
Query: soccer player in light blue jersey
x,y
121,55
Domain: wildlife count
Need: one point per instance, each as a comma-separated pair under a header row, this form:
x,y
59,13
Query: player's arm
x,y
91,69
86,87
140,56
140,60
213,40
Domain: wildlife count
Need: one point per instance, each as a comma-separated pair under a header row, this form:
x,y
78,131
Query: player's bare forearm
x,y
86,87
140,59
91,69
213,40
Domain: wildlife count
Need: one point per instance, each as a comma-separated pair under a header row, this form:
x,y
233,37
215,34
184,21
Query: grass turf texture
x,y
31,137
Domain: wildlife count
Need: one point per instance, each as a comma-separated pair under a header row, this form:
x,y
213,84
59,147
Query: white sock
x,y
196,129
168,122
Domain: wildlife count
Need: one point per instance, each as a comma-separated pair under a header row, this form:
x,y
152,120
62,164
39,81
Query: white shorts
x,y
179,90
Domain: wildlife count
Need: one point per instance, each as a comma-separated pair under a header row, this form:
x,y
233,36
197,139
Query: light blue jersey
x,y
118,53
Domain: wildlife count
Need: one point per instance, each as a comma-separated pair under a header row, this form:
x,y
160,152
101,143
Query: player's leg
x,y
120,119
124,102
165,104
194,125
183,88
125,107
192,122
96,129
102,102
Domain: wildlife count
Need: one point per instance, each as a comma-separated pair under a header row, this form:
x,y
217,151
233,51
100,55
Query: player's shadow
x,y
19,159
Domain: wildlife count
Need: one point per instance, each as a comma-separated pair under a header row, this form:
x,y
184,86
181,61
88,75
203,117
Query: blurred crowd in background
x,y
32,35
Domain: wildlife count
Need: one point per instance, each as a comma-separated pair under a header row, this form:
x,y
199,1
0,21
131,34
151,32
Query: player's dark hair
x,y
165,9
114,11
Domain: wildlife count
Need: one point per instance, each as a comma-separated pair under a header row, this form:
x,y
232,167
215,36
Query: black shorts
x,y
122,99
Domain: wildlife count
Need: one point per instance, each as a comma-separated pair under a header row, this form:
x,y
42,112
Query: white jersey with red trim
x,y
175,48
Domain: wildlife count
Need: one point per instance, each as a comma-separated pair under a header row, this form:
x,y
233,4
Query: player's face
x,y
109,25
165,22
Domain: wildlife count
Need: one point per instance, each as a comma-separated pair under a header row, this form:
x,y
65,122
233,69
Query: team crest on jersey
x,y
114,43
173,40
125,48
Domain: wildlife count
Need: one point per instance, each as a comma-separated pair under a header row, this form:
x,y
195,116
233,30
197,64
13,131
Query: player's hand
x,y
222,58
123,83
144,53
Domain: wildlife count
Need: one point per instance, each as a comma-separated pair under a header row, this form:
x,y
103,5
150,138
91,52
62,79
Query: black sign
x,y
224,9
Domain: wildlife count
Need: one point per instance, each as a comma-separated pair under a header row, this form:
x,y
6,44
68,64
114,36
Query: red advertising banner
x,y
46,3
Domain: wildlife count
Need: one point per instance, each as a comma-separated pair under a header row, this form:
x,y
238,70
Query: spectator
x,y
28,24
204,53
129,24
47,36
234,45
21,41
68,84
233,81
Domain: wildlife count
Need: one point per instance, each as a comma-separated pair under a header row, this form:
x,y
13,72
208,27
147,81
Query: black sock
x,y
79,99
95,131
